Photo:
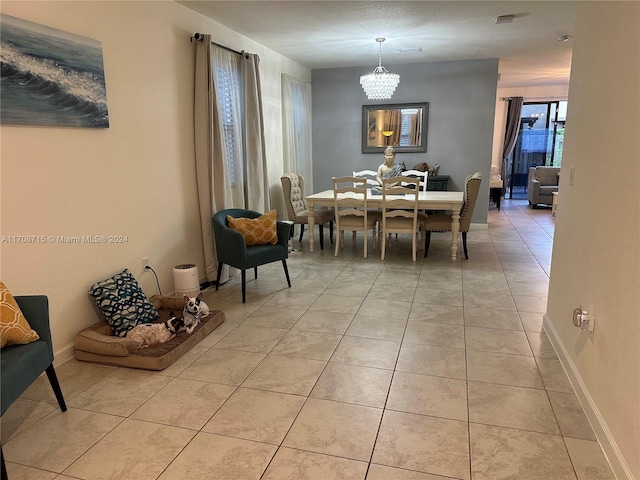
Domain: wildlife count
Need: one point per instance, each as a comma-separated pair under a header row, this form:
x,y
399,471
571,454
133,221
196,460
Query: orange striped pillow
x,y
256,231
14,328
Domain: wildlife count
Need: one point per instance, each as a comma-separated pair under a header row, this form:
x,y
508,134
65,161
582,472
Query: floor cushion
x,y
97,344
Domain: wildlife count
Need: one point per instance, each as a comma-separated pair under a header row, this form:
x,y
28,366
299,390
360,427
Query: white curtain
x,y
227,82
229,140
296,126
255,159
210,166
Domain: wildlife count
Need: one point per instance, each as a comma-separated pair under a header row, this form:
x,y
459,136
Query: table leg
x,y
455,229
312,223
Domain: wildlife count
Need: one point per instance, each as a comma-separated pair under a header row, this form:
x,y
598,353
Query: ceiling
x,y
330,34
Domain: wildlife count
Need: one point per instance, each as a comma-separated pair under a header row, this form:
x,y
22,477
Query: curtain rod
x,y
198,37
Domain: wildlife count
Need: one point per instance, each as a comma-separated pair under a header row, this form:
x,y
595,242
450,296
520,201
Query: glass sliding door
x,y
539,142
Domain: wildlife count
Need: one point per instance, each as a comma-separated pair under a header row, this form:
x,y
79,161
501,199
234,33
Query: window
x,y
228,84
296,127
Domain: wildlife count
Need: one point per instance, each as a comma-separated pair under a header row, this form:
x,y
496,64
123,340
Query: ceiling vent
x,y
411,50
504,19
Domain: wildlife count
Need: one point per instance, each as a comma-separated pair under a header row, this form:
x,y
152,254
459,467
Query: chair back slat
x,y
400,209
369,175
422,176
350,196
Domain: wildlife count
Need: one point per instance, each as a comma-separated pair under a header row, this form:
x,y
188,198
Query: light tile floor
x,y
363,369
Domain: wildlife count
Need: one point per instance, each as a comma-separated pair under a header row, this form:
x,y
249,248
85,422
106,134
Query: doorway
x,y
539,142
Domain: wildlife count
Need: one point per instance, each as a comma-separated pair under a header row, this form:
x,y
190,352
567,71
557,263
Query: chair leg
x,y
464,245
286,271
219,273
255,272
321,228
427,242
3,467
365,233
331,230
301,231
383,246
244,285
53,380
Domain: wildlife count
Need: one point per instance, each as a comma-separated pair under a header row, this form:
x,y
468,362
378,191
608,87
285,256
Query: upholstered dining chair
x,y
400,210
233,250
297,211
21,365
441,222
350,196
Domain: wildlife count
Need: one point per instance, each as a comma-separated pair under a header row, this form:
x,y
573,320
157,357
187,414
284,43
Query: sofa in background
x,y
97,344
543,181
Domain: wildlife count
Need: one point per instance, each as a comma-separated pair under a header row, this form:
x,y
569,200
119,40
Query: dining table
x,y
427,200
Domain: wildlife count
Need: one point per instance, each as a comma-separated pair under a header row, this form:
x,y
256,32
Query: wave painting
x,y
50,77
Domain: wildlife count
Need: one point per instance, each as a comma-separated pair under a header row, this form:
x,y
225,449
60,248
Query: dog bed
x,y
98,345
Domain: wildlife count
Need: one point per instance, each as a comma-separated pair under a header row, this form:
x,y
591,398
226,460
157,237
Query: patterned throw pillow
x,y
123,302
14,328
256,231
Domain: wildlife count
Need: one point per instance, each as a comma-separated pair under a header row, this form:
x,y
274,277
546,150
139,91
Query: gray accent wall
x,y
461,97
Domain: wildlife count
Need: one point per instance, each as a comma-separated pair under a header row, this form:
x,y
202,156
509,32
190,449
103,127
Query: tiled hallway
x,y
363,369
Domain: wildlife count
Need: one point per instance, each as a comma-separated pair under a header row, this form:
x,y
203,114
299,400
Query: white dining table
x,y
427,200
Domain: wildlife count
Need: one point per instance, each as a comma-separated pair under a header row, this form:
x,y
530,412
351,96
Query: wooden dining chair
x,y
420,175
369,175
350,208
400,210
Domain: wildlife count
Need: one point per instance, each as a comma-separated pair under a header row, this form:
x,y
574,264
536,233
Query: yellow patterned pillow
x,y
256,231
14,328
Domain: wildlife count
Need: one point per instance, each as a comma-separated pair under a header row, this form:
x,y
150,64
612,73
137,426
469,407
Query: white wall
x,y
596,255
136,178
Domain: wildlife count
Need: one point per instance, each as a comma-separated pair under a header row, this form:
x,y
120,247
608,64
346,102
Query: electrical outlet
x,y
145,262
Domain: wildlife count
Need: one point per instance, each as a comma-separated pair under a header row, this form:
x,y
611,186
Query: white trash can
x,y
186,280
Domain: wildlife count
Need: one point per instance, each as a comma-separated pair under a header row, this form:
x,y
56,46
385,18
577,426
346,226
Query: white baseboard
x,y
63,355
478,226
603,434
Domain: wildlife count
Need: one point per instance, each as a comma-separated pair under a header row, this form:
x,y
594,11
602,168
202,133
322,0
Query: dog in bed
x,y
194,309
149,334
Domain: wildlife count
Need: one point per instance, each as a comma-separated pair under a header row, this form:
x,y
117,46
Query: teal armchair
x,y
21,365
233,251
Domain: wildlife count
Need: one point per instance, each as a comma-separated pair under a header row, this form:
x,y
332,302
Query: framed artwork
x,y
50,77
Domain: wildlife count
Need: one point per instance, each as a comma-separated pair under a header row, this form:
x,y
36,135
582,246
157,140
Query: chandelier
x,y
380,84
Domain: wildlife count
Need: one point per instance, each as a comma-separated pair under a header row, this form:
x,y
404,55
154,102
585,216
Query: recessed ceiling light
x,y
411,50
505,19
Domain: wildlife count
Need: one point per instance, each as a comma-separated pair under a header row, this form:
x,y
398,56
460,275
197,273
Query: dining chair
x,y
400,210
297,211
369,175
350,207
441,222
418,174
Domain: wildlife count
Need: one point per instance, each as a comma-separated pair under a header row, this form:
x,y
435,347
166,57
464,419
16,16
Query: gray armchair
x,y
21,365
233,251
543,181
